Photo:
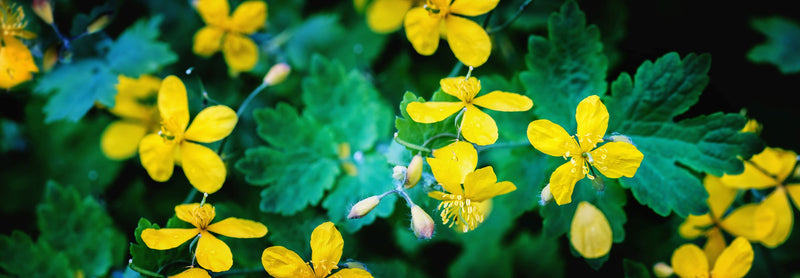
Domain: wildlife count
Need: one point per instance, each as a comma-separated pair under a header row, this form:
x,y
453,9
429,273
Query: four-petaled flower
x,y
135,103
734,261
230,32
439,18
613,159
326,251
159,152
477,126
454,165
16,61
212,254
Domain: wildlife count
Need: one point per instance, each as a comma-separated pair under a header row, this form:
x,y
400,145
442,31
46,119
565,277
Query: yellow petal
x,y
473,7
617,159
156,156
465,89
695,225
462,152
172,102
592,118
386,16
431,112
163,239
120,140
776,162
213,12
193,272
192,213
422,30
751,178
504,101
551,139
478,127
241,53
238,228
468,40
735,261
16,62
714,246
482,185
438,195
351,273
133,96
249,16
326,248
280,262
208,40
213,254
742,221
720,197
794,193
689,261
784,218
451,164
212,124
563,179
590,233
203,167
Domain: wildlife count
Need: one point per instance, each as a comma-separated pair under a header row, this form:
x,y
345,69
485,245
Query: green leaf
x,y
77,86
137,50
418,133
558,219
24,258
536,256
306,133
483,246
645,108
356,46
782,48
634,269
514,165
153,260
565,67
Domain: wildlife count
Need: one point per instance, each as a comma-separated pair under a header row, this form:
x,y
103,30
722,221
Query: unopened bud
x,y
277,74
399,172
99,23
662,270
421,223
44,10
616,137
350,168
363,207
598,184
414,172
546,195
356,265
50,58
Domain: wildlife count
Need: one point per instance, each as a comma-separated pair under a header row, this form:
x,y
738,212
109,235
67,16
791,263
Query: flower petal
x,y
213,254
720,197
551,139
386,16
451,164
617,159
590,233
120,139
473,7
212,124
504,101
468,40
213,12
794,192
207,40
742,221
249,16
16,63
238,228
133,96
695,225
784,218
689,261
478,127
193,272
714,246
351,273
163,239
592,118
280,262
172,102
766,169
156,156
241,53
438,195
432,111
482,185
563,179
326,248
422,30
203,167
735,261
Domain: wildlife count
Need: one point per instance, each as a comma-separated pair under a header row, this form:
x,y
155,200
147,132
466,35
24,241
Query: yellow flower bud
x,y
414,172
616,137
363,207
277,74
99,23
356,265
752,126
421,223
44,10
662,270
546,195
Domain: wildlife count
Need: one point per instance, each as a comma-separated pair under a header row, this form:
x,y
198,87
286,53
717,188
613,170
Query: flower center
x,y
432,8
456,208
170,131
203,216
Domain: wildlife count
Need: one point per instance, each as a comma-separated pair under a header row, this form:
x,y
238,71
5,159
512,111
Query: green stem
x,y
144,271
240,111
191,196
410,145
456,68
512,19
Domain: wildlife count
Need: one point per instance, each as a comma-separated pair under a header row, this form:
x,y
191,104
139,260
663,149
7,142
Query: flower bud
x,y
99,23
662,270
616,137
363,207
597,183
277,74
399,172
50,58
752,126
421,223
356,265
44,10
546,196
414,172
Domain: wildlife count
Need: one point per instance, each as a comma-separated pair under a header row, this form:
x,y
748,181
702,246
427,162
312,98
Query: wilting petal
x,y
120,140
213,12
504,101
473,7
563,179
735,261
468,40
238,228
172,102
689,261
592,118
433,111
213,254
241,53
203,167
482,185
280,262
720,197
422,30
551,139
784,218
16,63
156,156
212,124
386,16
695,226
208,40
478,127
326,248
249,16
351,273
590,233
617,159
193,272
163,239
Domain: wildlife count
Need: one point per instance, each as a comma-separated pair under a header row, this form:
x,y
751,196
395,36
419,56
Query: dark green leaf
x,y
152,260
137,50
634,269
24,258
782,47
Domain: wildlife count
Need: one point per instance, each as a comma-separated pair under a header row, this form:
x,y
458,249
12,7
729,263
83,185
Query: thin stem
x,y
203,202
191,196
144,271
512,19
400,191
456,68
410,145
240,111
437,136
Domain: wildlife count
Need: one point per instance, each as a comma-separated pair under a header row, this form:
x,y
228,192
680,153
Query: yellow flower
x,y
454,165
173,144
135,103
16,61
326,251
212,254
590,234
230,32
770,169
192,273
734,261
469,42
477,126
386,16
613,159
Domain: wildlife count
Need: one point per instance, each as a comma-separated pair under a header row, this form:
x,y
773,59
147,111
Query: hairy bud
x,y
99,23
363,207
277,74
662,270
546,195
421,223
414,172
44,10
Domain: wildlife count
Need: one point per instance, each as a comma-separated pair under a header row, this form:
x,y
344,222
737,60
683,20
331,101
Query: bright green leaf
x,y
77,86
782,47
149,56
418,133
